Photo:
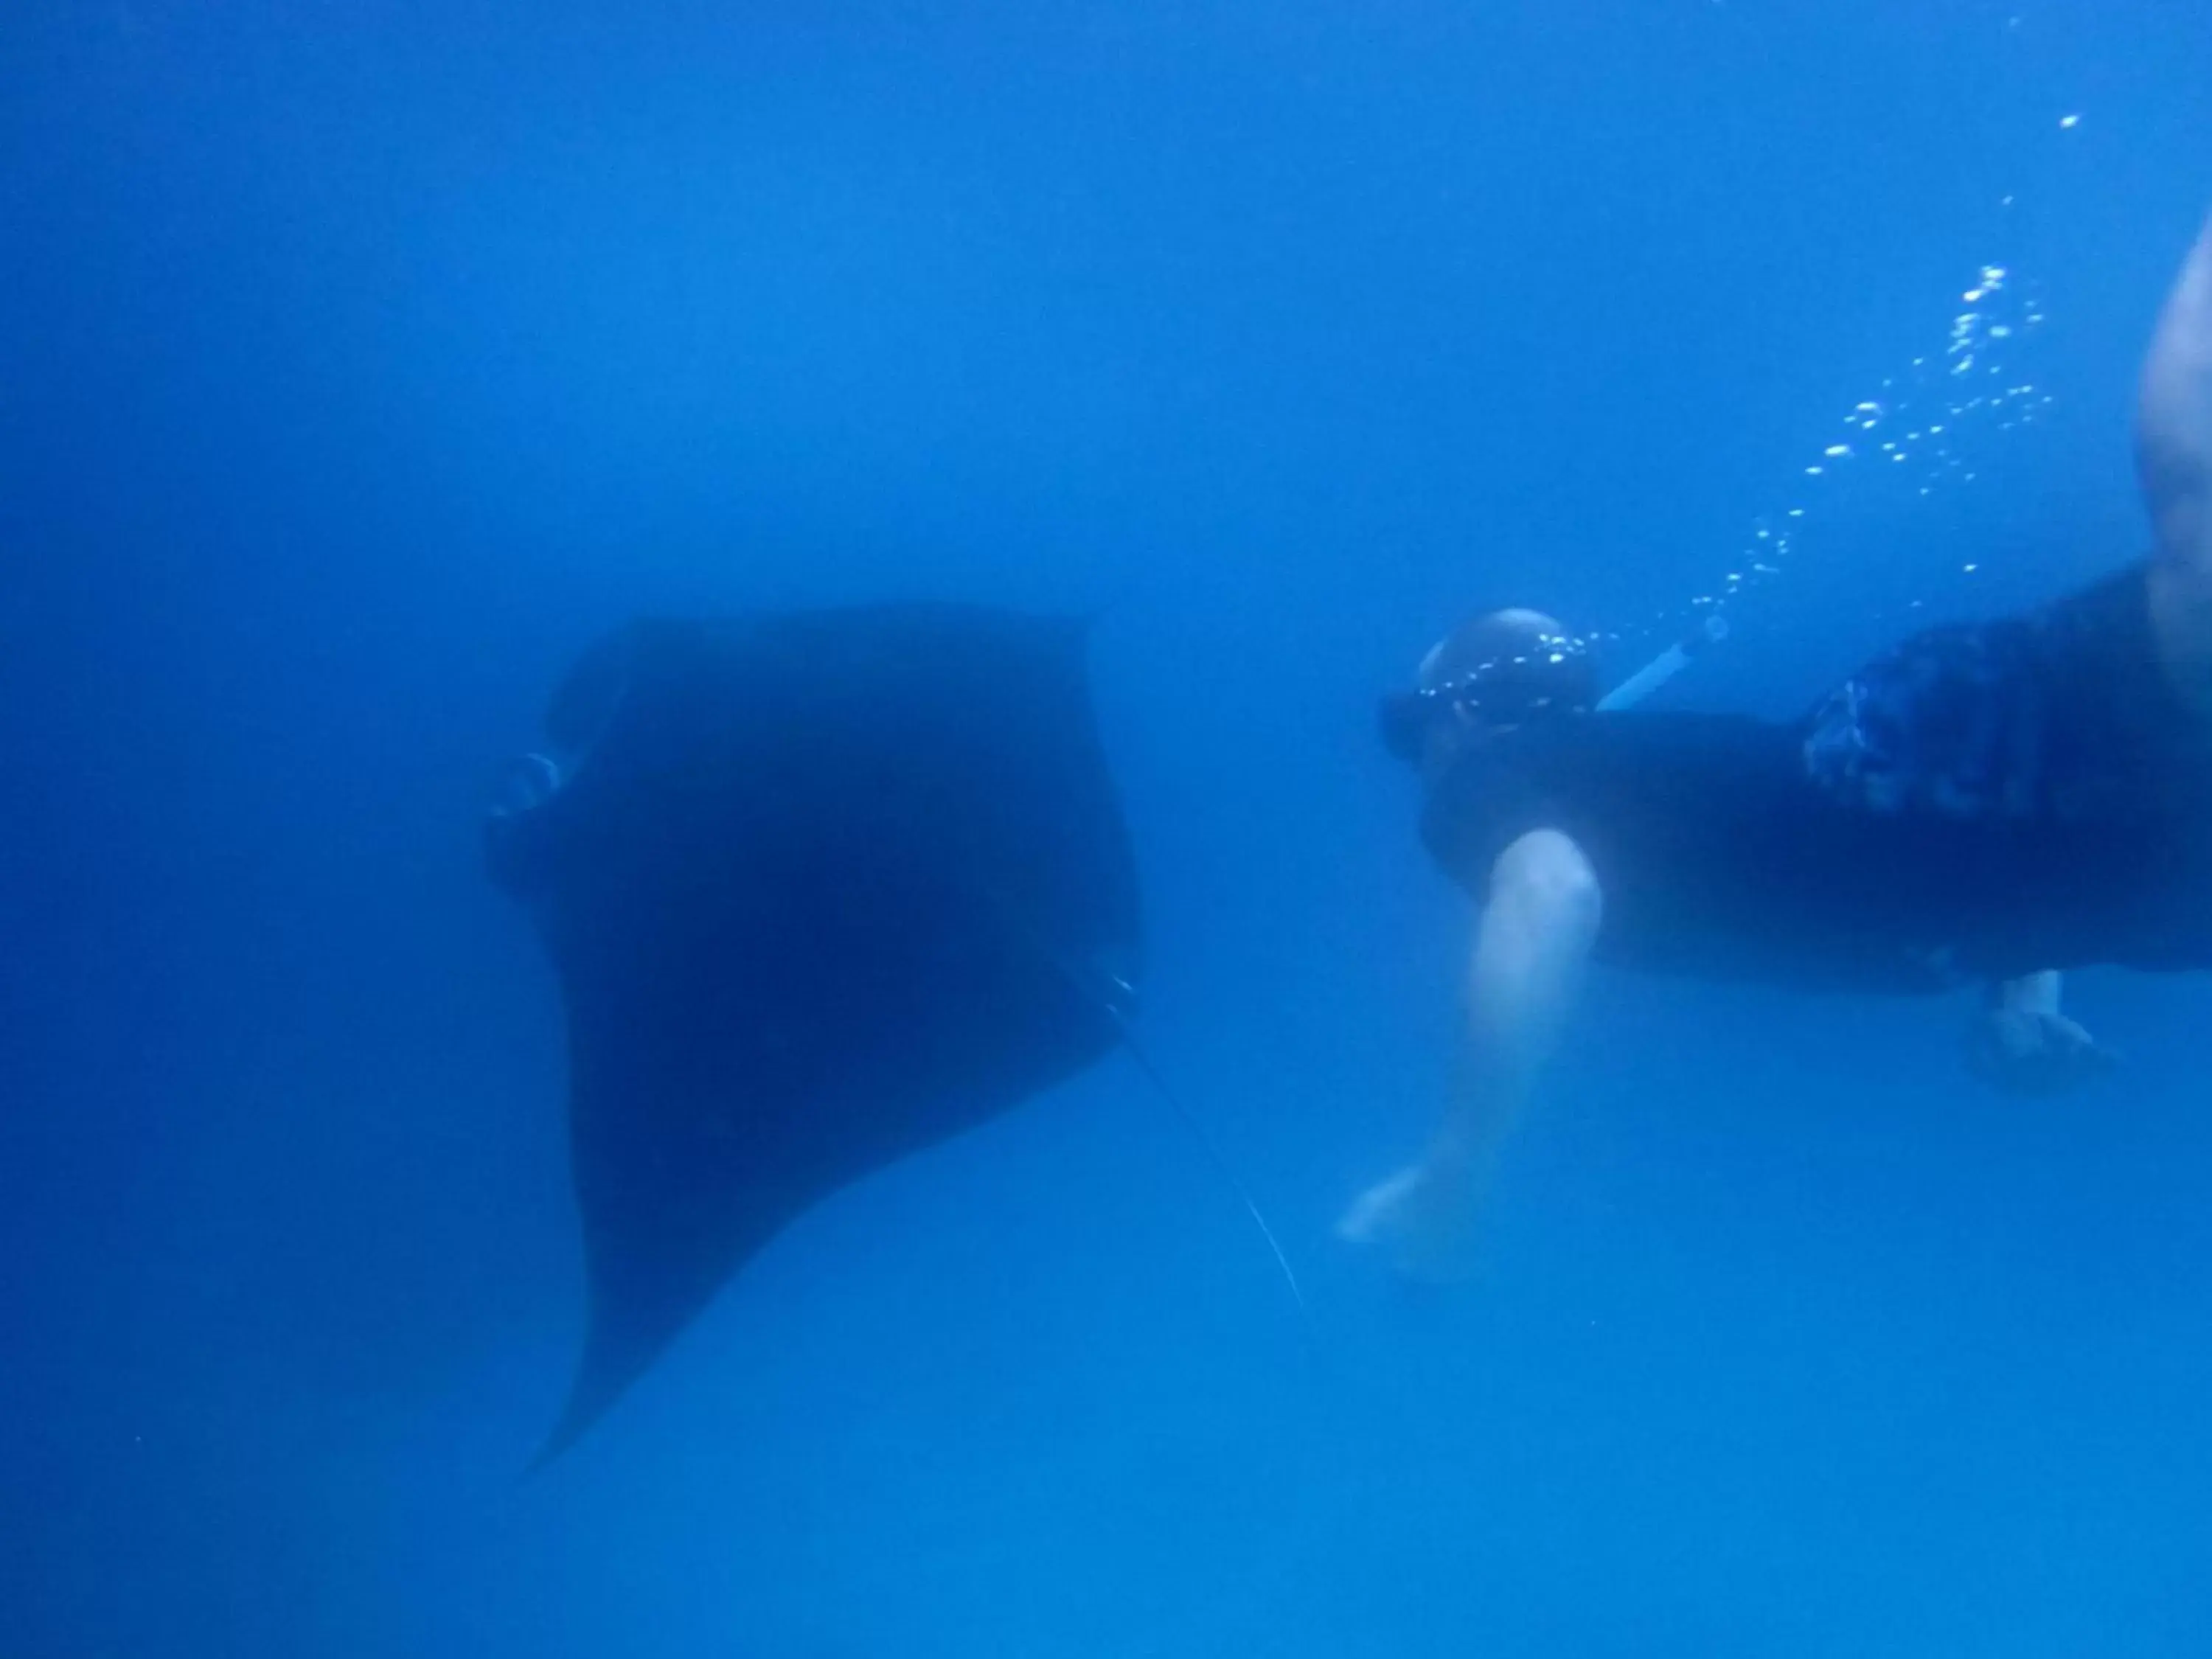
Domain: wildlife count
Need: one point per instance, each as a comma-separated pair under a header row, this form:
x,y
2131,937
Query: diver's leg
x,y
2173,453
1538,922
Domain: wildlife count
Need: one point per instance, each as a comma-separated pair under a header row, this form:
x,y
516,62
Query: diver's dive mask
x,y
1499,669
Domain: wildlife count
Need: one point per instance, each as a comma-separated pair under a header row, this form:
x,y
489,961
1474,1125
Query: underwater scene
x,y
926,830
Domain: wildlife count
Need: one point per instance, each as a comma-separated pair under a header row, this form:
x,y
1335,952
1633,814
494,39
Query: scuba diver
x,y
1982,807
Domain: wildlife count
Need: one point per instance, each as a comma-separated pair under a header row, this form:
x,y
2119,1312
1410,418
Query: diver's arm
x,y
2173,457
1538,922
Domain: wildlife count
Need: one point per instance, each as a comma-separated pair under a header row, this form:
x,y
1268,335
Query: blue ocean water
x,y
359,364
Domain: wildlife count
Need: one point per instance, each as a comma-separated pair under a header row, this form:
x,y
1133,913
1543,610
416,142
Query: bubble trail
x,y
1917,423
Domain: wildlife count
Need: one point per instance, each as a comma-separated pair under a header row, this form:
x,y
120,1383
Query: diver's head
x,y
1492,672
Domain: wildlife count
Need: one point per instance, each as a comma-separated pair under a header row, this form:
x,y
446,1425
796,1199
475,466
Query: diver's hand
x,y
2034,1052
1425,1215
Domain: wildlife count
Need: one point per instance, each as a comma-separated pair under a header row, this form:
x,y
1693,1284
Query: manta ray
x,y
820,889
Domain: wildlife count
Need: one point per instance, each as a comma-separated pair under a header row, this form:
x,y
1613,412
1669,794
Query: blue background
x,y
359,363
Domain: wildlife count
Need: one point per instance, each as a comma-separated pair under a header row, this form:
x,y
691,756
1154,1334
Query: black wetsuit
x,y
1979,803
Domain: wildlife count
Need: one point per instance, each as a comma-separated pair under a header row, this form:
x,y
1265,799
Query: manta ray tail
x,y
1222,1166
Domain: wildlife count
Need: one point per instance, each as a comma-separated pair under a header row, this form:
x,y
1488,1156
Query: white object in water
x,y
1664,666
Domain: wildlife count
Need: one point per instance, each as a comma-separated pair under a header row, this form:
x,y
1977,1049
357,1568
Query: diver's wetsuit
x,y
1979,803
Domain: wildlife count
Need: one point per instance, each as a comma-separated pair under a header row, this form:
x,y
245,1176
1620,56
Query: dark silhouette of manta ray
x,y
820,889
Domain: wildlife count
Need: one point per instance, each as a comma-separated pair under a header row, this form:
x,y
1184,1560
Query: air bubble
x,y
1992,313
